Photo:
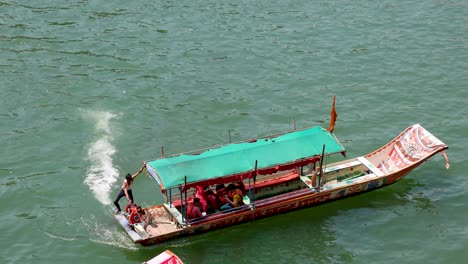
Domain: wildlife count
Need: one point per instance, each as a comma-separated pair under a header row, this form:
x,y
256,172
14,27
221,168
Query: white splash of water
x,y
102,174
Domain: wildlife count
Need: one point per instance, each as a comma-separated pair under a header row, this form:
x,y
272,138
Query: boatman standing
x,y
127,188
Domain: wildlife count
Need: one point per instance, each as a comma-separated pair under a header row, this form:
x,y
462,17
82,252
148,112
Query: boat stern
x,y
136,232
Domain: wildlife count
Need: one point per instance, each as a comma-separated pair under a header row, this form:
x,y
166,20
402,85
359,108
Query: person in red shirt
x,y
200,194
195,209
212,200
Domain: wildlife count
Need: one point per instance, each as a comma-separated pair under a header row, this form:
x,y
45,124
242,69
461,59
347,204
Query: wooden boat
x,y
166,257
281,173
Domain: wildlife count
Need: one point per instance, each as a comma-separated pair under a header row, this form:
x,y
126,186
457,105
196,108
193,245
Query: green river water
x,y
90,89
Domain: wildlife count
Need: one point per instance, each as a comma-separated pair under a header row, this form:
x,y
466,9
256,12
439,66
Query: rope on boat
x,y
447,163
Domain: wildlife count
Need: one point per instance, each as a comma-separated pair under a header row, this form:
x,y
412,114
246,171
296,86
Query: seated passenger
x,y
212,200
200,194
194,210
234,197
145,217
313,178
220,193
240,185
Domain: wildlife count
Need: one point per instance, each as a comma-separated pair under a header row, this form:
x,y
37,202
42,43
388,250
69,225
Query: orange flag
x,y
333,116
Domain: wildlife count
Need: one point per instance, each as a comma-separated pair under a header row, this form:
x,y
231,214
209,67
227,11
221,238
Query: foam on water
x,y
102,173
113,238
108,235
58,237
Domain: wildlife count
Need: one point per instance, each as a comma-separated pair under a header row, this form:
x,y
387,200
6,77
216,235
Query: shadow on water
x,y
304,236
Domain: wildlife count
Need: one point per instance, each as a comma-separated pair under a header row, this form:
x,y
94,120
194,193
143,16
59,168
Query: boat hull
x,y
301,199
378,169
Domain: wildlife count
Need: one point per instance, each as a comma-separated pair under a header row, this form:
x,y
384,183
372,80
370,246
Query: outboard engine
x,y
133,215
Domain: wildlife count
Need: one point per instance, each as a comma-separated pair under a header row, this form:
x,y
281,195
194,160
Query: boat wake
x,y
102,174
58,237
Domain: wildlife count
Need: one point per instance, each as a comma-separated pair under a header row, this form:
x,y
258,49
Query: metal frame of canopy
x,y
236,160
293,148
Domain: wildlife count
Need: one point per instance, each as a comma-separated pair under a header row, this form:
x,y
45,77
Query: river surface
x,y
90,89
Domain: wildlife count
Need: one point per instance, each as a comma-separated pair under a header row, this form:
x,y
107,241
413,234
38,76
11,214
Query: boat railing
x,y
219,214
177,196
283,176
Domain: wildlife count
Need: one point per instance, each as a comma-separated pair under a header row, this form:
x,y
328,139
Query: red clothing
x,y
194,211
200,194
212,201
220,195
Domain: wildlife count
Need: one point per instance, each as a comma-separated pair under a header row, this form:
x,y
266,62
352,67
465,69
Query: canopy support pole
x,y
254,180
250,190
182,208
186,205
170,198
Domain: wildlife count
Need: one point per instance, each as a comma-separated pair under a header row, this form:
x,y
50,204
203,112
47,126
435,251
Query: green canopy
x,y
238,159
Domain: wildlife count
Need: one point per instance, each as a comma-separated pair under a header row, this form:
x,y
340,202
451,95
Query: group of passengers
x,y
207,201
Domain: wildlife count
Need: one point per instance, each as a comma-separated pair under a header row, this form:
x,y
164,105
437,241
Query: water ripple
x,y
190,70
39,174
26,216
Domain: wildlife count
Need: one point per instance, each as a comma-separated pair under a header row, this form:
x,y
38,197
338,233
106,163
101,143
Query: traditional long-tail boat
x,y
280,173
